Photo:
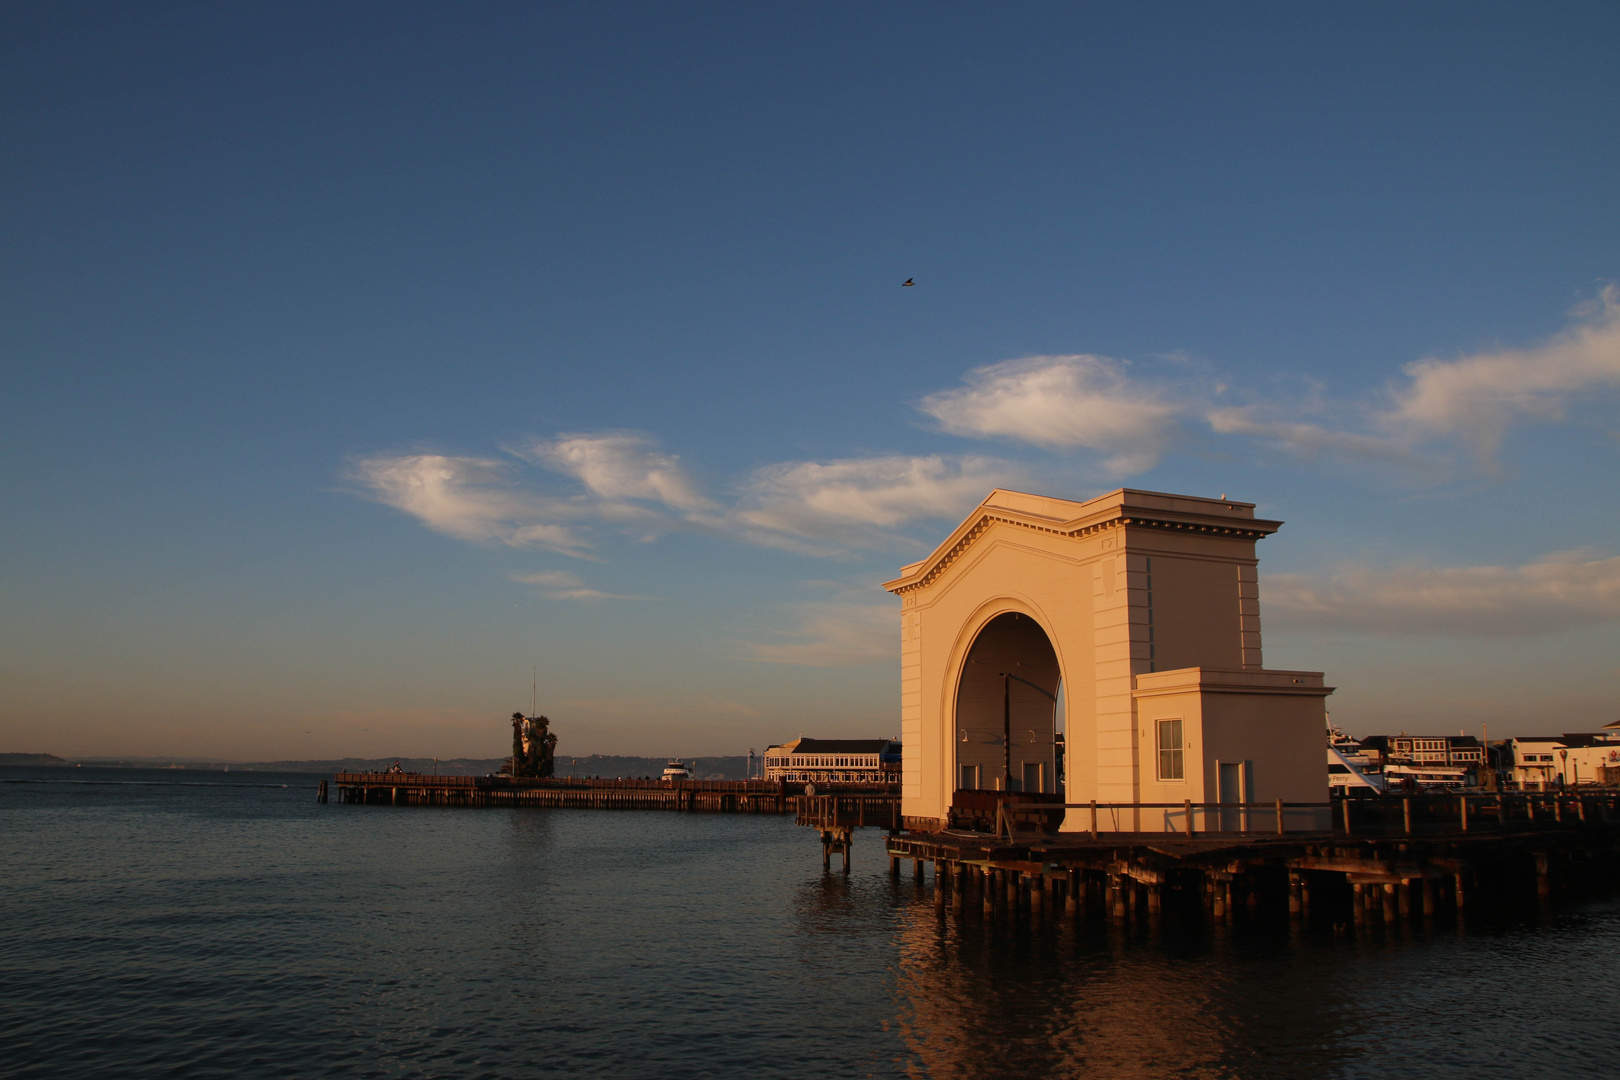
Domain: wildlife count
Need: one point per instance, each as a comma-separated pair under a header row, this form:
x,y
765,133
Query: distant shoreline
x,y
607,765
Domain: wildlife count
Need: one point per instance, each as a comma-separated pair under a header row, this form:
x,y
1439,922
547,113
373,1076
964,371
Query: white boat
x,y
1427,777
1350,771
1349,766
677,770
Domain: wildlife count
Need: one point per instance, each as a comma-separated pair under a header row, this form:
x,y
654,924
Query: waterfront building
x,y
834,761
1462,751
1537,763
1130,624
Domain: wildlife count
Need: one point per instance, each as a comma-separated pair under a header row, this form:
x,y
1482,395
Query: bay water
x,y
165,923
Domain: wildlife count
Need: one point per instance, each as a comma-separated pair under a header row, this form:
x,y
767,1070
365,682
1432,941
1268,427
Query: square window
x,y
1170,750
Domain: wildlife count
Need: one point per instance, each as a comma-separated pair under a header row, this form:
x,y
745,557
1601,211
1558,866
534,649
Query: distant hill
x,y
443,767
31,759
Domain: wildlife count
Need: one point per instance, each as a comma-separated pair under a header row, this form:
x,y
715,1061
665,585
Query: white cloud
x,y
561,585
1478,397
858,502
1092,402
1556,593
469,498
1063,403
620,465
832,633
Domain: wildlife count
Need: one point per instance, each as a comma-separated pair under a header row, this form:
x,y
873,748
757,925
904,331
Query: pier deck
x,y
1381,859
690,796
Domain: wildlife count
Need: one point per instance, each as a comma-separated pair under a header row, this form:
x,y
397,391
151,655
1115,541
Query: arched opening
x,y
1006,709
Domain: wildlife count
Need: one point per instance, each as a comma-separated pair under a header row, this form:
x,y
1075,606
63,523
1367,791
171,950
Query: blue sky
x,y
358,358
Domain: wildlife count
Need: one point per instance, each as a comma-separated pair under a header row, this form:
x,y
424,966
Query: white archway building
x,y
1136,613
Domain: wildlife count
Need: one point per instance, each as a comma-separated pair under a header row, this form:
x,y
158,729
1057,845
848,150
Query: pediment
x,y
1067,518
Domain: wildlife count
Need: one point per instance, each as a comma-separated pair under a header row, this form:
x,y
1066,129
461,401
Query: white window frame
x,y
1178,751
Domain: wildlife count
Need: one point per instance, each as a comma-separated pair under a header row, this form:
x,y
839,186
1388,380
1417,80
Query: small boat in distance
x,y
677,770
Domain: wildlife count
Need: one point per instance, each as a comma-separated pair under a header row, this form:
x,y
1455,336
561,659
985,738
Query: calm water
x,y
188,924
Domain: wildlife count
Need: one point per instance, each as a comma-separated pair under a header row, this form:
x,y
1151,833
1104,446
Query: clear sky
x,y
358,358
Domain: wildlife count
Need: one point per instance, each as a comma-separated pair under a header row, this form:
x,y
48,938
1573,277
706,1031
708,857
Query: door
x,y
1231,791
1034,776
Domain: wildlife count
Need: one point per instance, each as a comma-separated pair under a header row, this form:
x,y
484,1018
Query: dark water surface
x,y
188,924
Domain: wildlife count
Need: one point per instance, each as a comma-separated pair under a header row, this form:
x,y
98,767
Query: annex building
x,y
1129,624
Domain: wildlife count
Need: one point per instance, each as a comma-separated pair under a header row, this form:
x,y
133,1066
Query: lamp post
x,y
1007,678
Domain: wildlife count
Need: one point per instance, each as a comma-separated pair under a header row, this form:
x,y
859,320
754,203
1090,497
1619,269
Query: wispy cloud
x,y
861,502
842,632
1305,439
627,484
561,585
1063,403
1558,592
470,498
1085,402
1479,396
617,466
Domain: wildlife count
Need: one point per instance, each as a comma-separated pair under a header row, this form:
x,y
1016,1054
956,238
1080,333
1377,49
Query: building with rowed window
x,y
834,761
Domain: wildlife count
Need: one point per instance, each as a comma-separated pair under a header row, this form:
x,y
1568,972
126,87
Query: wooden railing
x,y
1386,815
766,787
1244,818
849,811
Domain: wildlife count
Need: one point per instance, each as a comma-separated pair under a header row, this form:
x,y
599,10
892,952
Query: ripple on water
x,y
239,929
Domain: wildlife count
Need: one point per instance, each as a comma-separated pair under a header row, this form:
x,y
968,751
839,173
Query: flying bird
x,y
908,281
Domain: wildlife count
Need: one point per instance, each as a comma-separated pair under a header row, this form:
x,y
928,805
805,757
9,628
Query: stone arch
x,y
1005,681
1149,606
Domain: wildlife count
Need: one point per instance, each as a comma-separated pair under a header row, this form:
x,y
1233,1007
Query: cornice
x,y
969,531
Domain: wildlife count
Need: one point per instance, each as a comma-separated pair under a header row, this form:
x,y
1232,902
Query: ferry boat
x,y
677,770
1349,767
1426,777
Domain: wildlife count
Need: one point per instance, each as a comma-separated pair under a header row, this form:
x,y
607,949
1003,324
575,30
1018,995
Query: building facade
x,y
1130,624
834,761
1456,751
1538,763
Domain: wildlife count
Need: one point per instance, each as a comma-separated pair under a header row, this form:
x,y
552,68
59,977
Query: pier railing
x,y
1388,815
716,796
841,811
593,783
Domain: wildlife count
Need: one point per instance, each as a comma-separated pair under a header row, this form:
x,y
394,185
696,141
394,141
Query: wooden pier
x,y
1379,860
689,796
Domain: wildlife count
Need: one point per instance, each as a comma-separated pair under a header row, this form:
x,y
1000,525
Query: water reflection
x,y
161,931
980,1000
